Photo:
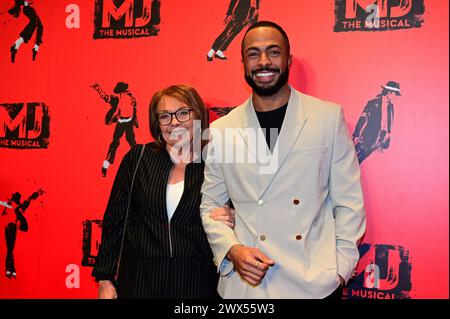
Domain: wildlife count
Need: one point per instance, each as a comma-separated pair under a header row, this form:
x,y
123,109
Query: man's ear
x,y
290,60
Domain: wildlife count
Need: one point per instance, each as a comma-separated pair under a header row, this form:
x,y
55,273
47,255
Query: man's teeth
x,y
265,74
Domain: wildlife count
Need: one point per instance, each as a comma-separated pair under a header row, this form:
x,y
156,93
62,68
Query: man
x,y
123,112
240,14
297,225
373,130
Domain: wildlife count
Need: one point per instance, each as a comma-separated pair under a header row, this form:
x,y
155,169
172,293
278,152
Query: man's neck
x,y
269,103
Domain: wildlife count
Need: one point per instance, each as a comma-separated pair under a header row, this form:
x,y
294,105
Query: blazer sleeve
x,y
231,6
347,199
113,222
214,195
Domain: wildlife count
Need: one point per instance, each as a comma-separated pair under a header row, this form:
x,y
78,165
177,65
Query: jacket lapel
x,y
293,123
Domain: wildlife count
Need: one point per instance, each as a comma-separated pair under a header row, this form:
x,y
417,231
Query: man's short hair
x,y
268,24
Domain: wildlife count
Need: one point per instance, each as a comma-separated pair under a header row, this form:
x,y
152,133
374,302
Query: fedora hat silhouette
x,y
120,87
392,86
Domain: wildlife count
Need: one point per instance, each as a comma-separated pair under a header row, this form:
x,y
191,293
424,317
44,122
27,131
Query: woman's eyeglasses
x,y
182,115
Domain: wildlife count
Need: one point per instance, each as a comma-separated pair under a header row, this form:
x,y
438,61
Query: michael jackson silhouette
x,y
374,127
240,14
16,222
33,25
123,113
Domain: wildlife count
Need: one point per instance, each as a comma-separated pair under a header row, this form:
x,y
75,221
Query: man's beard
x,y
269,90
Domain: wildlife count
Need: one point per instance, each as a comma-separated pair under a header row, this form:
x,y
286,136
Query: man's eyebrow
x,y
252,48
272,46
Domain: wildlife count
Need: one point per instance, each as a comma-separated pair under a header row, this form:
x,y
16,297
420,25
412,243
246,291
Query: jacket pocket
x,y
313,150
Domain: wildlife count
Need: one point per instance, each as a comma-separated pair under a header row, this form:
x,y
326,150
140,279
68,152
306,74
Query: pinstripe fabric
x,y
160,259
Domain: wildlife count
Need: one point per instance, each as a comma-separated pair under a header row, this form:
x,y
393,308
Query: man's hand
x,y
224,214
250,263
106,290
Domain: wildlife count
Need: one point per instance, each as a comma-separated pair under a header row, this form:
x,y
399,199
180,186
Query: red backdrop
x,y
405,187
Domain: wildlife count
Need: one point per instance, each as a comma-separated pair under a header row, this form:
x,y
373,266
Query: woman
x,y
165,250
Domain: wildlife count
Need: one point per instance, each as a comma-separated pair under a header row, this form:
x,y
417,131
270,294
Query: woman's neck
x,y
180,156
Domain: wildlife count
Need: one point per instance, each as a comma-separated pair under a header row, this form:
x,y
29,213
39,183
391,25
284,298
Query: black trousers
x,y
10,237
337,294
35,24
167,278
120,129
229,33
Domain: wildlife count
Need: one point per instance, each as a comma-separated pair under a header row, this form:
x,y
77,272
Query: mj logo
x,y
122,19
92,233
383,272
24,125
378,15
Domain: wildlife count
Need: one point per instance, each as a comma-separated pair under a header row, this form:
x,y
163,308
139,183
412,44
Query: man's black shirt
x,y
271,119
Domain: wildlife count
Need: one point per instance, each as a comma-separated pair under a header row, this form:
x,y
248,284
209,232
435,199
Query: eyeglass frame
x,y
174,113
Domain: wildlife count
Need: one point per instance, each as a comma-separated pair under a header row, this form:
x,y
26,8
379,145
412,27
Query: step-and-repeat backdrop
x,y
64,65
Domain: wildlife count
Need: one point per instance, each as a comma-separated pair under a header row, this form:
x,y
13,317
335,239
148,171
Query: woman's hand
x,y
106,290
224,214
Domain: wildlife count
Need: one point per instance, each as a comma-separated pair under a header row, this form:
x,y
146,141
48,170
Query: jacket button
x,y
262,237
260,202
298,237
296,201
